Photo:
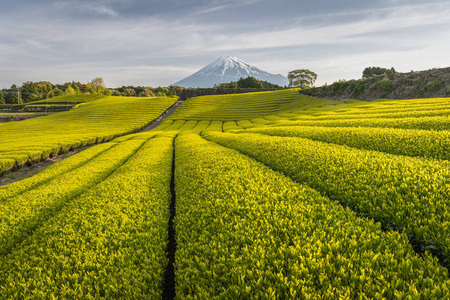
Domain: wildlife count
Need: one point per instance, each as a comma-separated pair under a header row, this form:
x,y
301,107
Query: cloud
x,y
80,8
382,21
100,38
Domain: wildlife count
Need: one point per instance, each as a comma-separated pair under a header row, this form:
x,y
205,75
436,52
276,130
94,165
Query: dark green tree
x,y
372,71
12,96
249,83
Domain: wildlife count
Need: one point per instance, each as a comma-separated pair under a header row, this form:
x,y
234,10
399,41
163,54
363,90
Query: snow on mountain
x,y
227,69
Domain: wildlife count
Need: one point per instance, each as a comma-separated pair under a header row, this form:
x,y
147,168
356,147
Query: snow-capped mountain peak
x,y
227,69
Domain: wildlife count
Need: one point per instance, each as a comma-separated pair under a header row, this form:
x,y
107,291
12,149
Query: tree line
x,y
32,91
248,83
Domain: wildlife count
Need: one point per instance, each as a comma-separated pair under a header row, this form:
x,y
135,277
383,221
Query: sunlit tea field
x,y
271,195
90,122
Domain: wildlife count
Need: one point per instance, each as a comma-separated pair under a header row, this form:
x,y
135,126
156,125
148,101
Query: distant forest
x,y
33,91
248,83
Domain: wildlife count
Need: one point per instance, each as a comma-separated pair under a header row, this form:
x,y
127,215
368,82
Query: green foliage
x,y
299,197
424,84
98,85
408,142
87,123
243,106
249,83
359,88
70,91
434,86
67,100
395,190
302,78
372,71
385,84
425,114
26,211
76,88
110,241
339,86
147,91
69,164
258,234
31,91
56,92
11,95
106,92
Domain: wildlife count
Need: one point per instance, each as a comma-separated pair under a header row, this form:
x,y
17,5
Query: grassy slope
x,y
71,99
284,107
244,106
86,123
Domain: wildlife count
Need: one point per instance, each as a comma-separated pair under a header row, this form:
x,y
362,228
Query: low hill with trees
x,y
432,83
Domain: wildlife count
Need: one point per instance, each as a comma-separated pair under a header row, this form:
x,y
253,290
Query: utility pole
x,y
18,97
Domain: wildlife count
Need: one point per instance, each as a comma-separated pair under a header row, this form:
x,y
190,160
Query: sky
x,y
157,43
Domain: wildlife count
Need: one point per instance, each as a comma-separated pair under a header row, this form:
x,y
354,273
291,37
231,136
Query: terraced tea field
x,y
94,121
270,195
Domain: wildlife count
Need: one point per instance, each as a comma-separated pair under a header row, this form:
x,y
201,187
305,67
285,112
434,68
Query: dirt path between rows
x,y
29,171
161,118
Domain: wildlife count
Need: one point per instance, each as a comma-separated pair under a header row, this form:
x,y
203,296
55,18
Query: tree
x,y
2,98
12,97
76,88
372,71
248,83
106,92
129,92
29,91
69,90
116,93
98,84
302,78
147,93
56,92
385,84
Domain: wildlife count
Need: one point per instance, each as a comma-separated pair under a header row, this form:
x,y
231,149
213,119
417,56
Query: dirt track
x,y
158,121
29,171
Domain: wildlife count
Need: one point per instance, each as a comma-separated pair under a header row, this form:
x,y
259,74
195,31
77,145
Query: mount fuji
x,y
227,69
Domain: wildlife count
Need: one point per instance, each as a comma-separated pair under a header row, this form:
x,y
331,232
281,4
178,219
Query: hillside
x,y
422,84
243,106
92,122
